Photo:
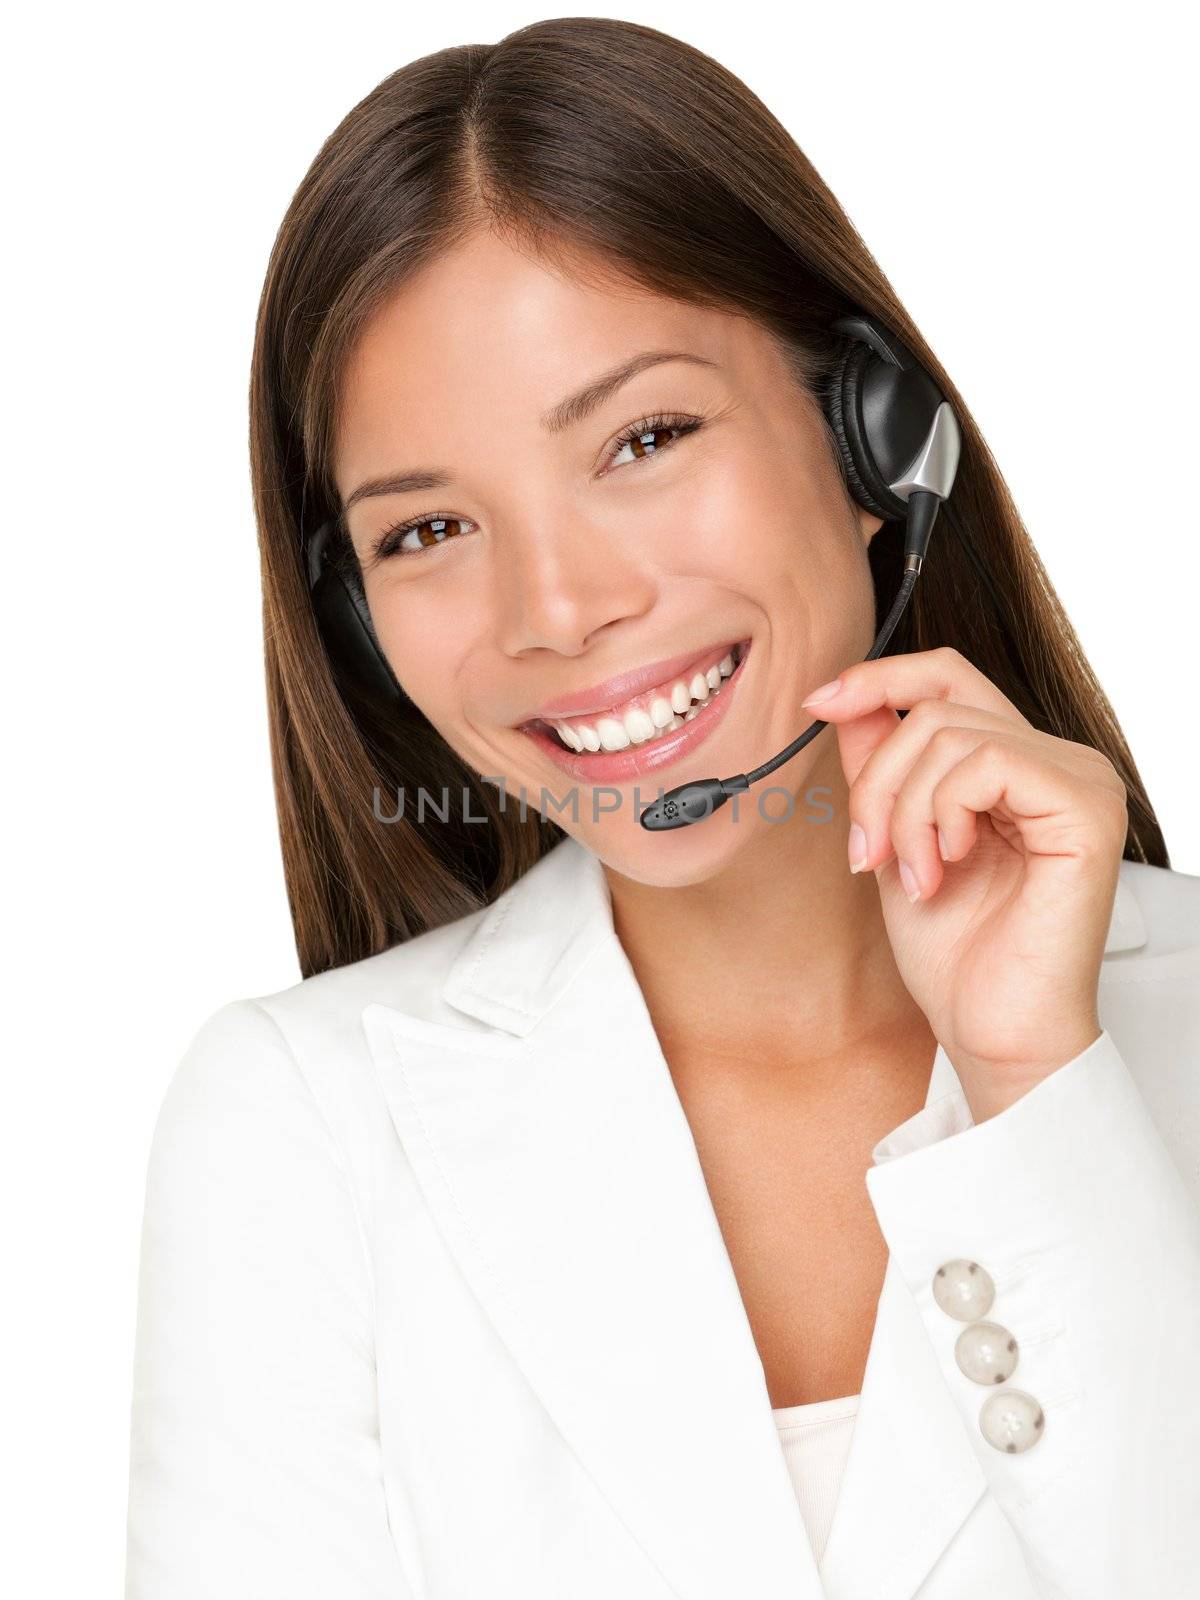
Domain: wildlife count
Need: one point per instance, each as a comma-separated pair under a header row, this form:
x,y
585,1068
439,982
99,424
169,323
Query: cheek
x,y
764,523
718,522
424,635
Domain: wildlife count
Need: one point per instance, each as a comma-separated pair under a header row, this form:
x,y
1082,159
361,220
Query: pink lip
x,y
619,766
614,691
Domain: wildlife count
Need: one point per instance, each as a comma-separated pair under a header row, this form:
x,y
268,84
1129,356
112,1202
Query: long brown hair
x,y
585,138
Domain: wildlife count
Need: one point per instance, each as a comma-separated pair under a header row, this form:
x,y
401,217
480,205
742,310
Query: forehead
x,y
490,331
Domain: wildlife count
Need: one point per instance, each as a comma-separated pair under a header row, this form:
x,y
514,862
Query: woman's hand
x,y
1001,943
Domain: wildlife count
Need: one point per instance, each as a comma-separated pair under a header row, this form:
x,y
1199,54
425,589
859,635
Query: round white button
x,y
963,1290
1011,1420
986,1352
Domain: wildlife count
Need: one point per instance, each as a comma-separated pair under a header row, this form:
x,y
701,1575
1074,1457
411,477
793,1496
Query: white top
x,y
816,1440
346,1228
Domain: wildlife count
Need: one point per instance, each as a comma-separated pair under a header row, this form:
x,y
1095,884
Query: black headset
x,y
899,443
359,666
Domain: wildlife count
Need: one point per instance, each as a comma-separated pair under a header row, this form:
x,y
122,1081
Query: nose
x,y
562,581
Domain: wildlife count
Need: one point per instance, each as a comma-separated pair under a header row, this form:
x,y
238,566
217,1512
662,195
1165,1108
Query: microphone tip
x,y
679,808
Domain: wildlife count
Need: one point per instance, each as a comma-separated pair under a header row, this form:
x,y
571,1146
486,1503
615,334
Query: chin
x,y
676,859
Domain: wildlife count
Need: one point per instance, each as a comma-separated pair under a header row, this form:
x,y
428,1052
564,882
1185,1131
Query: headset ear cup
x,y
344,620
841,396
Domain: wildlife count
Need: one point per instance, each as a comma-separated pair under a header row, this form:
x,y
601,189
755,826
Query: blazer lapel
x,y
561,1170
554,1154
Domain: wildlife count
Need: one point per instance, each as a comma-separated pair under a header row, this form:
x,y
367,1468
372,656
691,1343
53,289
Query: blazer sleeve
x,y
255,1467
1071,1203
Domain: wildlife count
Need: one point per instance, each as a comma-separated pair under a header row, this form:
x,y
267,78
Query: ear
x,y
868,523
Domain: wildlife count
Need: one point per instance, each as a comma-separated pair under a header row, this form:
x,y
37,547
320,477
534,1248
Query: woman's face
x,y
556,575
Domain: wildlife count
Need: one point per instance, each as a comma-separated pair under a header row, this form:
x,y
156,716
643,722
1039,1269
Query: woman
x,y
800,1203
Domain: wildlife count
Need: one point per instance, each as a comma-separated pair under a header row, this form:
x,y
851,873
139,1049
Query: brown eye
x,y
645,443
651,436
418,533
434,529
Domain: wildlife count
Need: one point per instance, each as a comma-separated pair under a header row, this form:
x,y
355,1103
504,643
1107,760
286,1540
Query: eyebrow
x,y
566,414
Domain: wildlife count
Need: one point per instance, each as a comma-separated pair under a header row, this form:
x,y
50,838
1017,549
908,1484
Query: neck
x,y
782,957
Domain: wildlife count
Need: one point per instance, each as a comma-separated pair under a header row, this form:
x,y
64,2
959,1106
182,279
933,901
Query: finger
x,y
858,740
922,835
932,736
903,681
1055,809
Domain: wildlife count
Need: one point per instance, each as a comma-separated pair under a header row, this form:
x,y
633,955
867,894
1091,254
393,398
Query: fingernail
x,y
941,844
909,879
856,848
825,692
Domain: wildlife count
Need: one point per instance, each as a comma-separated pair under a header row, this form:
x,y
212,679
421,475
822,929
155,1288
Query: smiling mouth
x,y
647,717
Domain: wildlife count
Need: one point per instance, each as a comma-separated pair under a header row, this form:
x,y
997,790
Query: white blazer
x,y
434,1304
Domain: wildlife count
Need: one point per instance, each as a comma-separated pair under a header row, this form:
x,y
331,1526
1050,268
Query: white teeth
x,y
612,734
667,711
638,726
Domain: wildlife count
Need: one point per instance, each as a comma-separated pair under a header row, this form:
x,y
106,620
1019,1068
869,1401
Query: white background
x,y
1022,173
